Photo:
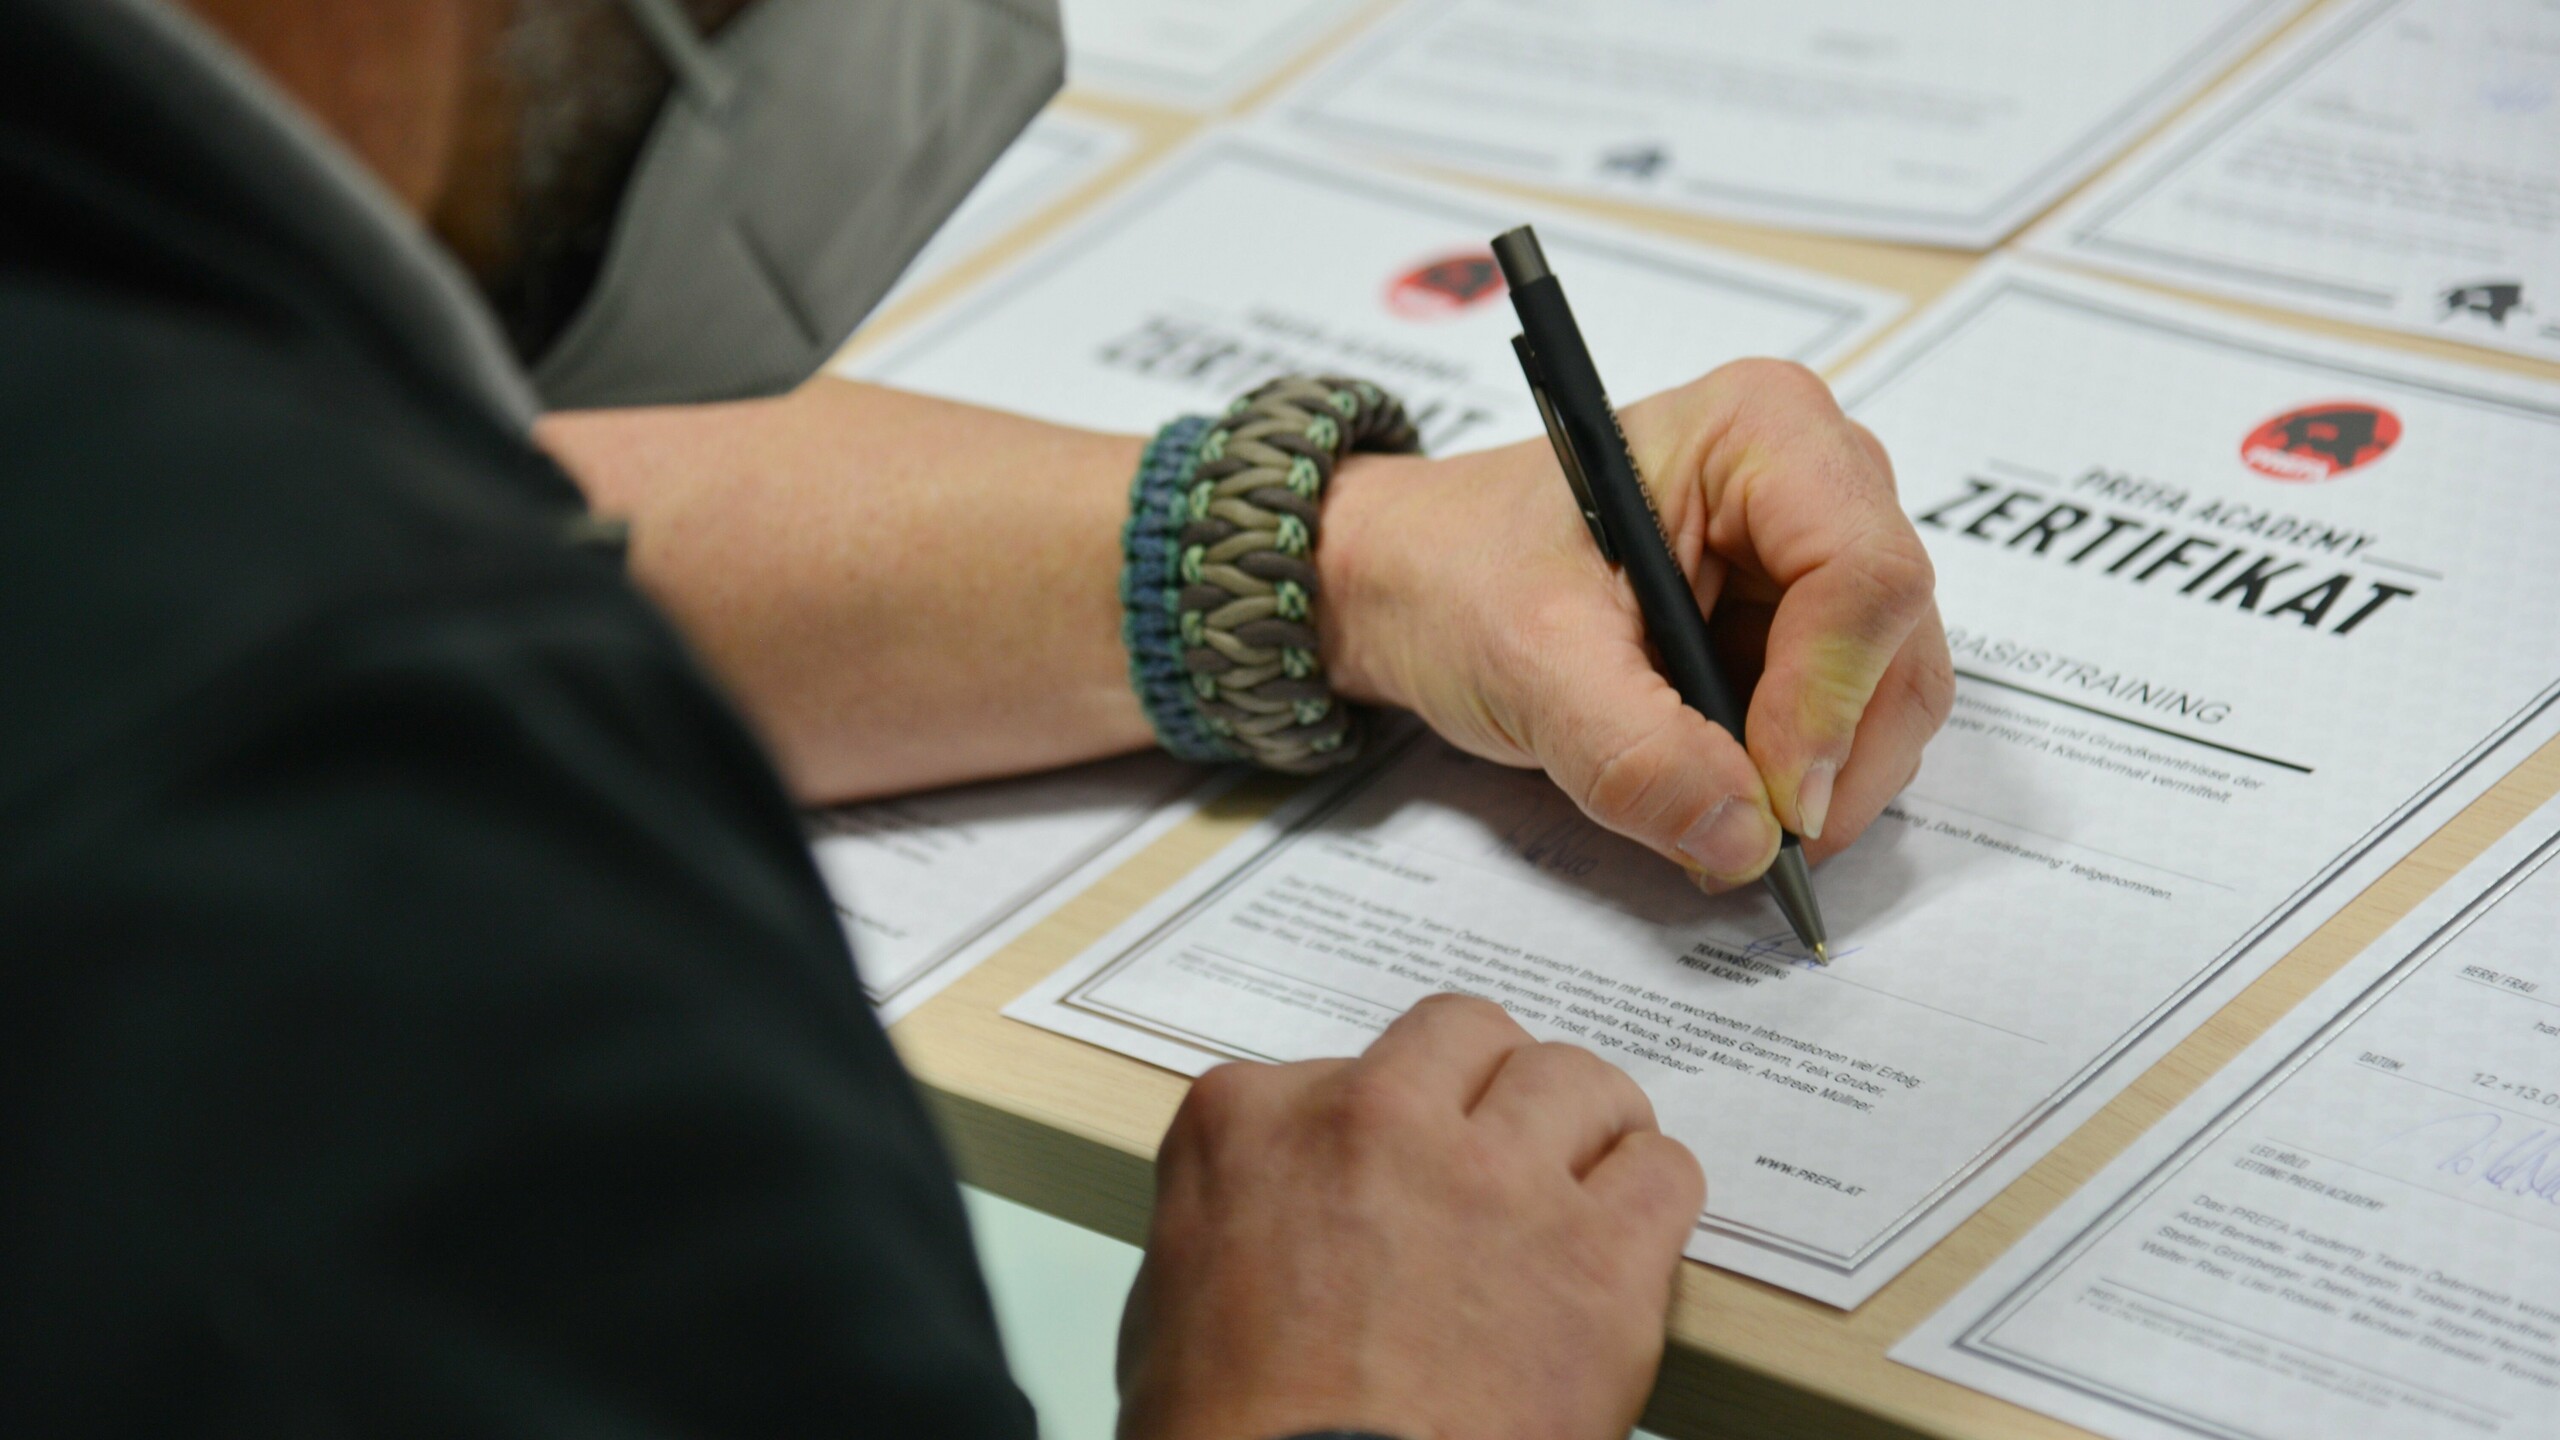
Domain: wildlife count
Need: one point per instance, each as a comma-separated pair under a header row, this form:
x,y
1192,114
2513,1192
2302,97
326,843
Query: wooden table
x,y
1071,1129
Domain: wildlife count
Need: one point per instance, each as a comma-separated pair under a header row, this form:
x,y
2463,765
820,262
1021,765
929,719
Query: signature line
x,y
2507,1215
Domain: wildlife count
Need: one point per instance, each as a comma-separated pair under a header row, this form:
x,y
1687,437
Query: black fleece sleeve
x,y
432,1028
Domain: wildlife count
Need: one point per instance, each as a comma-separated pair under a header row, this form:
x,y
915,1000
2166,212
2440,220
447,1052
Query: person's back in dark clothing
x,y
421,1016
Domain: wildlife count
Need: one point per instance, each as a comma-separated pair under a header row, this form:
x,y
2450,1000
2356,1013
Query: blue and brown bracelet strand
x,y
1218,586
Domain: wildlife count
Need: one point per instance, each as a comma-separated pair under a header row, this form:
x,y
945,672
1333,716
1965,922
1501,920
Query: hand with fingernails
x,y
1462,1233
1467,590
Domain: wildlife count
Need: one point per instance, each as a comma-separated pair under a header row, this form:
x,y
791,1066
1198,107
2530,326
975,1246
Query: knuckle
x,y
1782,381
1618,785
1877,455
1450,1007
1369,1102
1215,1100
1918,690
1670,1177
1933,686
1578,1067
1639,1105
1685,1167
1634,786
1900,569
1590,1072
1571,1058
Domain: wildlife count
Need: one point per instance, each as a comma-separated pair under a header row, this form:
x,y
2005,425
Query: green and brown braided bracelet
x,y
1238,580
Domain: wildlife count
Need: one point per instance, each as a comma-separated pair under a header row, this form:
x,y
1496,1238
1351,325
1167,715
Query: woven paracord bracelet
x,y
1219,587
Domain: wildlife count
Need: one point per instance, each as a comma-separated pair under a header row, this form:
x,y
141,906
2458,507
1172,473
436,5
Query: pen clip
x,y
1566,456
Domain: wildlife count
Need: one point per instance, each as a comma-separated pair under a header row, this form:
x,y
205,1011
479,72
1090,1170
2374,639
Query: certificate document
x,y
1237,261
1059,152
1198,54
1948,123
928,885
2397,164
2354,1229
2238,615
1160,305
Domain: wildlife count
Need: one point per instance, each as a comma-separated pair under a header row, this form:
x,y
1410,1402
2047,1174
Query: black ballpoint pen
x,y
1614,503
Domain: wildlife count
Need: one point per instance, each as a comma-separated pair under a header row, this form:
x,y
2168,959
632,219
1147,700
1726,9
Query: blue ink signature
x,y
1785,946
2477,1147
2519,96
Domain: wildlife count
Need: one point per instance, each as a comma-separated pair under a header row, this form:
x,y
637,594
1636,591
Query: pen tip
x,y
1821,953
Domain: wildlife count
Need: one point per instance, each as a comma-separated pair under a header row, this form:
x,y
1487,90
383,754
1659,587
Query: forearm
x,y
900,591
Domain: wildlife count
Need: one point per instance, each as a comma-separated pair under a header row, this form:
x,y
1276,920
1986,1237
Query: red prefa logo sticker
x,y
1446,286
2321,442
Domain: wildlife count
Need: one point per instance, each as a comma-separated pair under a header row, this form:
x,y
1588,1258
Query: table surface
x,y
1071,1128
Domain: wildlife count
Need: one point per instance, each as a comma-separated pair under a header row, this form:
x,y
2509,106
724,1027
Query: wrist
x,y
1365,571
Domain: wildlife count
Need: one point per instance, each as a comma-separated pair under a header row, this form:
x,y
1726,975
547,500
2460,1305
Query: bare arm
x,y
902,591
905,592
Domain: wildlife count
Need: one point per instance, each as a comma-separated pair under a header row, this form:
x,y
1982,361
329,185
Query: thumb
x,y
1638,760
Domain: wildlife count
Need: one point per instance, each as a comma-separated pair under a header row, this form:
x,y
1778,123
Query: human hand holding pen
x,y
1468,591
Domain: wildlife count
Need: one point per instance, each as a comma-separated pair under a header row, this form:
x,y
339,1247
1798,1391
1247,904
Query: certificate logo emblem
x,y
1447,286
1635,162
2493,300
2320,442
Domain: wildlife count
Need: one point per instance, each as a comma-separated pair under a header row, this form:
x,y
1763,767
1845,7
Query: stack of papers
x,y
1196,54
1933,123
2205,697
2354,1229
1160,303
2397,164
2241,615
1157,305
929,885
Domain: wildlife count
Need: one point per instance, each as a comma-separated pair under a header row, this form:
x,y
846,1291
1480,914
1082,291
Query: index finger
x,y
1446,1049
1806,495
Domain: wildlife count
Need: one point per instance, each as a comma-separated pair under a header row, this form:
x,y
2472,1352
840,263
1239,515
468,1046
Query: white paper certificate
x,y
1237,261
1161,304
928,885
1194,53
2398,164
1946,123
2239,616
1058,152
2354,1229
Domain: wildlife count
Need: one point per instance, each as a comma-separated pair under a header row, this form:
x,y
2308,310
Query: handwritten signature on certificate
x,y
2487,1148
